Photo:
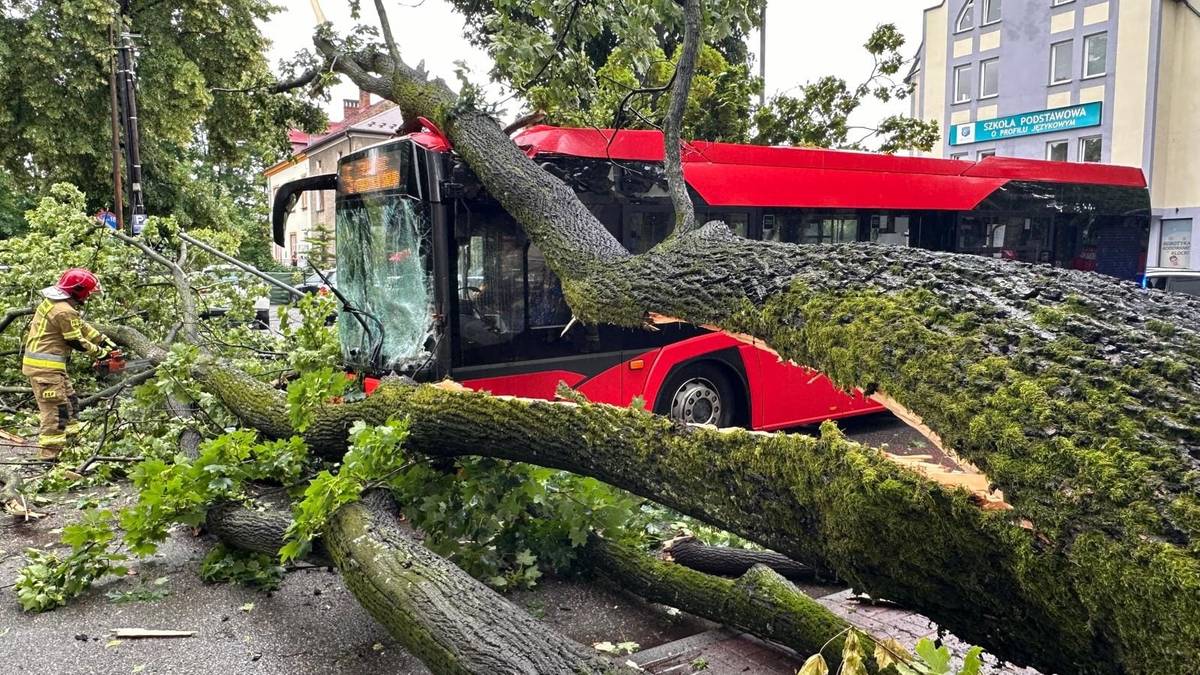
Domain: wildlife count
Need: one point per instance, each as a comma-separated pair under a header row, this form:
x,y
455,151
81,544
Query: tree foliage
x,y
578,61
818,114
201,147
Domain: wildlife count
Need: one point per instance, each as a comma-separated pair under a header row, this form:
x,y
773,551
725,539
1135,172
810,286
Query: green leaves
x,y
50,579
819,114
201,148
504,521
375,456
312,390
257,570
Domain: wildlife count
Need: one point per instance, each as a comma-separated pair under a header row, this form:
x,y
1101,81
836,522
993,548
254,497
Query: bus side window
x,y
737,221
644,228
547,306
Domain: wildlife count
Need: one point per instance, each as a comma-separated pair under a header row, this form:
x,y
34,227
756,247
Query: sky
x,y
806,39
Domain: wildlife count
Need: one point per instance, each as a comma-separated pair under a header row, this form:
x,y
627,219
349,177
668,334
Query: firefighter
x,y
56,329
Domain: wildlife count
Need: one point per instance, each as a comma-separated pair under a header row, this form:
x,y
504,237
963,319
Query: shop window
x,y
1175,243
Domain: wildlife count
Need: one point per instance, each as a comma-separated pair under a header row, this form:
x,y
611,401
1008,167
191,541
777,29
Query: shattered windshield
x,y
384,270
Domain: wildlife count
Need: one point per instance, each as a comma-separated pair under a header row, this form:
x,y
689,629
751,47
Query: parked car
x,y
314,283
238,278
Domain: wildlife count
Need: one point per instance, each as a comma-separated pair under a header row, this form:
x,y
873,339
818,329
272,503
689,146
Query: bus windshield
x,y
384,270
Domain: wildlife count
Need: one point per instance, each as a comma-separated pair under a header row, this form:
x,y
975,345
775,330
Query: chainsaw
x,y
110,364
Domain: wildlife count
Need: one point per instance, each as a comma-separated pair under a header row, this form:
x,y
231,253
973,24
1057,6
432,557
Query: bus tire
x,y
700,393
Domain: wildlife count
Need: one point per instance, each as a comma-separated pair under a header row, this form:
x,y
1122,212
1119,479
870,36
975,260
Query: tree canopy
x,y
208,122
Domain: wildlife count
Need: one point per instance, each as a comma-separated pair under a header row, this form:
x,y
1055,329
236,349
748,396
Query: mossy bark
x,y
760,601
1077,394
827,501
450,621
453,623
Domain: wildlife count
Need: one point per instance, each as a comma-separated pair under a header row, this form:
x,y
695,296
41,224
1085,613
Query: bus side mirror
x,y
288,195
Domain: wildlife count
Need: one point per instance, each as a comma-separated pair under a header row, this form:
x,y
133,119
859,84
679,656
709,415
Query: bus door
x,y
509,335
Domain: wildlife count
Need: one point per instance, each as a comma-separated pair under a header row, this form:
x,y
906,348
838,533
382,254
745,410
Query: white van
x,y
1169,279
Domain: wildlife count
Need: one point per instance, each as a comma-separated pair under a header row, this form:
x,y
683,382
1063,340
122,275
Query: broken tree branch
x,y
727,561
452,622
685,212
189,319
13,313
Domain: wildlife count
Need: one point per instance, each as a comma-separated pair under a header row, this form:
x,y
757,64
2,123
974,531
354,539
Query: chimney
x,y
352,109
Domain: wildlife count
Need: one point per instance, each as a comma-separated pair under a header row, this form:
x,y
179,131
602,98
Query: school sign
x,y
1028,124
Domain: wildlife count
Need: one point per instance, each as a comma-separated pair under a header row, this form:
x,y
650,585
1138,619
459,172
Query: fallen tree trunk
x,y
728,561
452,622
1076,394
991,577
760,602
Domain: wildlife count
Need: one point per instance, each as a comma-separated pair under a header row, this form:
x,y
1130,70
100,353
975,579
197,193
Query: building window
x,y
966,18
1175,244
959,155
1056,3
1090,149
962,84
1056,151
991,11
1060,62
989,78
320,200
1095,55
984,154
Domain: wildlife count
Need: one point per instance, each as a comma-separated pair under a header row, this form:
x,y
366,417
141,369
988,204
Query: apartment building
x,y
311,223
1112,81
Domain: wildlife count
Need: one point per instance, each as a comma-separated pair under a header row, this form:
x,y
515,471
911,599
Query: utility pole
x,y
127,69
118,190
762,56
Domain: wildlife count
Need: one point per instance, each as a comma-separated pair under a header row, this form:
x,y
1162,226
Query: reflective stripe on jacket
x,y
55,330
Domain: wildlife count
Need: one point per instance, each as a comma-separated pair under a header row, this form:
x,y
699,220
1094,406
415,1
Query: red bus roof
x,y
731,174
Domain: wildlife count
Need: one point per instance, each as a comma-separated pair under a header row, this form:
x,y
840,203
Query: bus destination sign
x,y
1028,124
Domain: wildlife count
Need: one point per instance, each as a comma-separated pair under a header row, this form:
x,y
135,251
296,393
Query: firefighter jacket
x,y
55,330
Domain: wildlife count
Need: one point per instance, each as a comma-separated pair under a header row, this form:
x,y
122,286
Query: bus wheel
x,y
699,394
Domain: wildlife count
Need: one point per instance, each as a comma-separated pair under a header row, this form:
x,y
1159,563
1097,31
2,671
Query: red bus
x,y
443,283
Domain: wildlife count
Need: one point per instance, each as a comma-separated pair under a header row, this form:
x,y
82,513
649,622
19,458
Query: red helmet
x,y
78,283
